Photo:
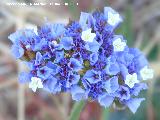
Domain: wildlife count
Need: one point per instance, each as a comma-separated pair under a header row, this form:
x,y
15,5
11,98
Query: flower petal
x,y
105,100
67,43
24,77
78,93
17,51
134,103
92,46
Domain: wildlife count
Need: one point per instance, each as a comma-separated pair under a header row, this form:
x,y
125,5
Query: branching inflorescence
x,y
84,58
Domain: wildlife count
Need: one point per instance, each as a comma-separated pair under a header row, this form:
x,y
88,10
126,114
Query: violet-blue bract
x,y
84,58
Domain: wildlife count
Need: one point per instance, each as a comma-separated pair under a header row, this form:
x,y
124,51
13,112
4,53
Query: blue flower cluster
x,y
84,58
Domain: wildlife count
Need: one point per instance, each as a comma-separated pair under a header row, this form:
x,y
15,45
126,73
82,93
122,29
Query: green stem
x,y
76,110
105,114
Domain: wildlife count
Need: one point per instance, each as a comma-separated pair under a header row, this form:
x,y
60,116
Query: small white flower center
x,y
55,42
146,73
113,18
35,83
118,45
131,80
88,36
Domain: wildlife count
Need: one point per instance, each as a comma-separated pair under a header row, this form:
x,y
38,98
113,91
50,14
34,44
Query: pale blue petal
x,y
40,44
57,88
57,30
38,58
137,88
93,58
44,72
75,64
92,46
111,85
114,83
108,9
67,43
134,103
50,84
78,93
59,56
14,37
112,69
54,67
24,77
83,20
124,70
75,79
105,100
90,76
17,51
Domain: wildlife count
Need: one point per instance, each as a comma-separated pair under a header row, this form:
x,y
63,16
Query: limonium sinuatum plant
x,y
85,58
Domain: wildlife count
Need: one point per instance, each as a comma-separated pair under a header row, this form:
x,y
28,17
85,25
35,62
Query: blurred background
x,y
141,28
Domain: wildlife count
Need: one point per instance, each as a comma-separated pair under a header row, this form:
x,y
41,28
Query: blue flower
x,y
51,31
24,77
123,70
55,68
59,56
83,20
21,36
105,100
67,43
72,79
25,39
140,62
50,84
111,85
57,29
123,93
73,30
134,103
113,18
44,72
39,58
92,46
92,76
93,90
139,59
78,93
75,65
112,68
86,20
57,88
137,88
93,58
99,65
85,58
78,56
40,45
17,51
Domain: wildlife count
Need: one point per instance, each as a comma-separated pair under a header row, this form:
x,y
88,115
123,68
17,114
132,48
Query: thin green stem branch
x,y
76,110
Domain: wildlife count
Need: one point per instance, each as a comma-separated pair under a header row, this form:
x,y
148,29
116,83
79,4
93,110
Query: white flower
x,y
88,36
35,83
131,80
113,18
118,45
55,43
146,73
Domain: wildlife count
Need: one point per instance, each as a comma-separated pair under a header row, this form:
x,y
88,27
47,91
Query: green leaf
x,y
76,110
